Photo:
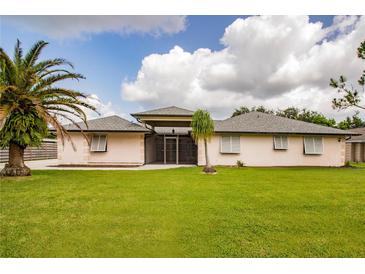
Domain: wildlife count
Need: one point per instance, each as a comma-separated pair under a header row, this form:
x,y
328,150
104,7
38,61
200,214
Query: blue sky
x,y
109,58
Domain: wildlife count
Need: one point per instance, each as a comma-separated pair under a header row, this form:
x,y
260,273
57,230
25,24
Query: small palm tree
x,y
30,100
203,129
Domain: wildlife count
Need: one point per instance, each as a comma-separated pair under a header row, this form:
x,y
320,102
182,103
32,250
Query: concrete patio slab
x,y
52,165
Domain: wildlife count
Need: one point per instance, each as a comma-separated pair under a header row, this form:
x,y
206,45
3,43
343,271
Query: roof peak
x,y
170,110
101,117
173,106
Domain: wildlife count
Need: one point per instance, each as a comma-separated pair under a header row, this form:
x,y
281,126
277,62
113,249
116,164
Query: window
x,y
281,142
230,144
313,145
98,143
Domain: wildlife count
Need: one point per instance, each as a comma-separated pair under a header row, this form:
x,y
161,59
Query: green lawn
x,y
247,212
359,165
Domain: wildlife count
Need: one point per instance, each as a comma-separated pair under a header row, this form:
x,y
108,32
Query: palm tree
x,y
203,129
30,100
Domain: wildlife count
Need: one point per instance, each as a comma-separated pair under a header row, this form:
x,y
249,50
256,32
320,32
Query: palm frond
x,y
33,54
59,92
46,64
8,69
202,125
29,93
71,109
50,80
69,101
76,125
61,131
48,72
18,54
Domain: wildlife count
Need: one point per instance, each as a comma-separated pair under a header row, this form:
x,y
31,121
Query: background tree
x,y
307,116
292,113
202,129
244,109
30,99
263,110
352,122
350,96
240,110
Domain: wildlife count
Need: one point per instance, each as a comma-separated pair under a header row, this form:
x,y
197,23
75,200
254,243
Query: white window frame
x,y
231,150
316,151
279,143
99,147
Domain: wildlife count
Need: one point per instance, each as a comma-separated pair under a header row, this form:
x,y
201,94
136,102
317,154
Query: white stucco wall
x,y
257,150
122,148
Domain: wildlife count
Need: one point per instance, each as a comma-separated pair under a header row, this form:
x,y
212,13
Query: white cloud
x,y
104,109
276,61
65,27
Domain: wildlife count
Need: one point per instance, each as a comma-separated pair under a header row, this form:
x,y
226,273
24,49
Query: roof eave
x,y
289,133
135,115
90,130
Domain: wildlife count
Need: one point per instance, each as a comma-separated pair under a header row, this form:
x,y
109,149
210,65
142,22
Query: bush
x,y
240,163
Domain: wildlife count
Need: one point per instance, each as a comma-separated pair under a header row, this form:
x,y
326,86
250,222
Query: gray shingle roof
x,y
257,122
360,138
110,123
168,111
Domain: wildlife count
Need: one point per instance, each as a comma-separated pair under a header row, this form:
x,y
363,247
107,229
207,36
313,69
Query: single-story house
x,y
164,136
355,146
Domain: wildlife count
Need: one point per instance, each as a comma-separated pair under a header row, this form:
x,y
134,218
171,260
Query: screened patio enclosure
x,y
170,149
170,141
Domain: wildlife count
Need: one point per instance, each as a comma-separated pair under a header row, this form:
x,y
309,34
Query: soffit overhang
x,y
164,120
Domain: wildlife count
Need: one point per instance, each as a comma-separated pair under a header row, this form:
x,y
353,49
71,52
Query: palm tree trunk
x,y
207,162
16,166
16,155
208,167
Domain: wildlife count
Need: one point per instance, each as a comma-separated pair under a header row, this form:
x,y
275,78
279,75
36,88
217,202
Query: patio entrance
x,y
170,139
170,149
171,153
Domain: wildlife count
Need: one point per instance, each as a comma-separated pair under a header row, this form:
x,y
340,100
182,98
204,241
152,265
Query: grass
x,y
357,165
247,212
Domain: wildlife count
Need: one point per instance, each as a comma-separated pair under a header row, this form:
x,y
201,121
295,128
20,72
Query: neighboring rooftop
x,y
258,122
167,111
110,123
360,138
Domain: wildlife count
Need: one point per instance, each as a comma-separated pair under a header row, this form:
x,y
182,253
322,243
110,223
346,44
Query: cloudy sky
x,y
219,63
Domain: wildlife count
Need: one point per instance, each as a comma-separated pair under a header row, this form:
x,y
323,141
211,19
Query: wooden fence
x,y
47,150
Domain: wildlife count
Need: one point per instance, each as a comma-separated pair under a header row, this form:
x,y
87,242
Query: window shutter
x,y
235,144
98,143
225,144
277,142
313,145
280,142
230,144
308,145
318,145
284,140
102,143
94,143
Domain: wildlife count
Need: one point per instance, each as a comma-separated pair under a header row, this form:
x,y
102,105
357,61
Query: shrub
x,y
348,164
240,164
